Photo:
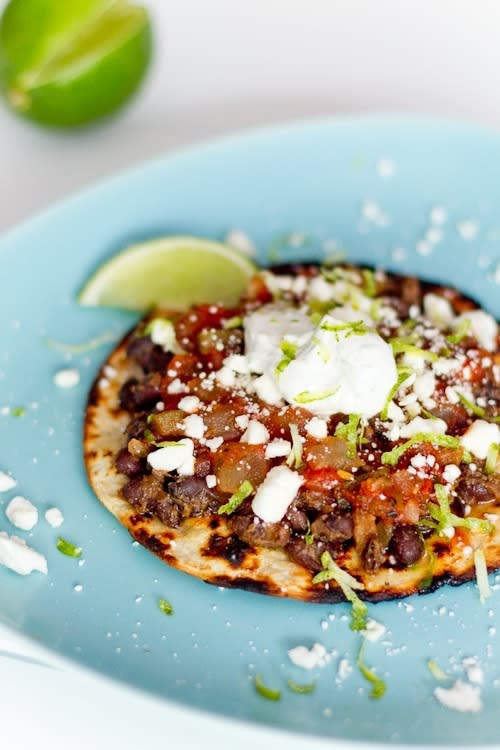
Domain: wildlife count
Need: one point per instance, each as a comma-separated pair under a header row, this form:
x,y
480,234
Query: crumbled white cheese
x,y
176,386
174,457
438,310
162,333
211,481
238,363
468,229
277,448
479,436
256,433
194,426
309,658
373,630
189,404
242,421
240,240
451,472
276,493
267,390
214,443
460,697
16,555
418,424
317,428
424,385
395,413
67,378
225,376
6,482
22,513
483,327
54,517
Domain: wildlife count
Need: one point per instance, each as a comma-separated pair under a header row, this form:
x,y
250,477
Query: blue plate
x,y
366,187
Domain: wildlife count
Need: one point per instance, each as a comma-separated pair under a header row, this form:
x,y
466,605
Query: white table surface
x,y
222,65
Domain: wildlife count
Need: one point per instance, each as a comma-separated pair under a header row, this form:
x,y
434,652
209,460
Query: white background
x,y
222,65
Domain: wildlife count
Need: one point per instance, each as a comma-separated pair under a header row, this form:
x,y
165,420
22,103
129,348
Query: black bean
x,y
127,464
406,544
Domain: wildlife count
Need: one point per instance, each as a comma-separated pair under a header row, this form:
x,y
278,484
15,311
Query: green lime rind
x,y
85,61
171,272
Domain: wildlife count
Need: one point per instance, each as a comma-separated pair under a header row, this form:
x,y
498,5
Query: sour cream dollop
x,y
337,367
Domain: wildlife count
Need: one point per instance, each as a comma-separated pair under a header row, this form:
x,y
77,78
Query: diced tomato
x,y
235,463
185,366
319,480
331,452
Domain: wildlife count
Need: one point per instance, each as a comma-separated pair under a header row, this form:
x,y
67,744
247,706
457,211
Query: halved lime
x,y
67,62
172,272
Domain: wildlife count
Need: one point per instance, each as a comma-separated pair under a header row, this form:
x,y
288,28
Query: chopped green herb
x,y
474,408
347,582
165,607
302,689
482,575
491,458
18,411
444,441
149,418
306,397
289,350
351,432
234,502
356,328
428,413
378,685
168,443
369,283
87,346
265,692
295,455
443,518
402,346
461,332
234,322
67,548
148,435
403,374
436,671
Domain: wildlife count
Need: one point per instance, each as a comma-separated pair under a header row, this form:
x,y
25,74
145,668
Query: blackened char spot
x,y
231,548
157,546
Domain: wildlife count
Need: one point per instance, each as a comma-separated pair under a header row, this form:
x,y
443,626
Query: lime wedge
x,y
64,63
171,272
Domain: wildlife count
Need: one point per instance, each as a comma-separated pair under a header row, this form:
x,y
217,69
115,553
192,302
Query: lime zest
x,y
301,689
266,692
436,671
378,684
461,332
445,441
443,518
68,548
348,584
235,322
87,346
369,283
165,607
403,374
482,575
289,350
351,432
356,328
403,346
492,458
295,455
245,489
307,397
